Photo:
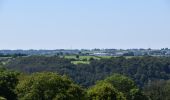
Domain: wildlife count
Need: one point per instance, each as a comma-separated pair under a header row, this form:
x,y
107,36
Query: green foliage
x,y
136,94
126,86
143,70
104,91
122,83
48,86
158,90
140,69
116,87
80,62
34,64
8,82
2,98
77,56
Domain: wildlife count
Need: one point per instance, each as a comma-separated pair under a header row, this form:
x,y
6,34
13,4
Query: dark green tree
x,y
104,91
126,86
158,90
8,82
48,86
77,56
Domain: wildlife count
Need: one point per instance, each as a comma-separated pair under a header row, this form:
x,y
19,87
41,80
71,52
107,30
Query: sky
x,y
84,24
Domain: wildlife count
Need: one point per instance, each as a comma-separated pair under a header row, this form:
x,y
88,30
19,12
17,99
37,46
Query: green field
x,y
87,57
84,59
80,62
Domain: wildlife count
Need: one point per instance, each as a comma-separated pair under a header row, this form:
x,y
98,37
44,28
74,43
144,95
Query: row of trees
x,y
12,55
52,86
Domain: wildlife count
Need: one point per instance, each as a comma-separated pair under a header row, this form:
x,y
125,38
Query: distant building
x,y
167,53
119,53
100,54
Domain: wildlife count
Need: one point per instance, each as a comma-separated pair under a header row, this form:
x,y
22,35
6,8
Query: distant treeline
x,y
12,55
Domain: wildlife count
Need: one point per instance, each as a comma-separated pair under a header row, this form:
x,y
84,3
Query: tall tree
x,y
104,91
8,82
126,86
48,86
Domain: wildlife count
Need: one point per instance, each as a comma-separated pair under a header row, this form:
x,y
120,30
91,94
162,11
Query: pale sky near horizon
x,y
54,24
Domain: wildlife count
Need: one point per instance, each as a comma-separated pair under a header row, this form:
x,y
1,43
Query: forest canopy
x,y
136,78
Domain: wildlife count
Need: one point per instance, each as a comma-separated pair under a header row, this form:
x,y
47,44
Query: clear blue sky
x,y
54,24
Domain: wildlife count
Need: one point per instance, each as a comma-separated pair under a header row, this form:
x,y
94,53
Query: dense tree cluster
x,y
8,82
141,69
116,87
126,86
48,86
12,55
41,63
158,90
149,73
104,91
52,86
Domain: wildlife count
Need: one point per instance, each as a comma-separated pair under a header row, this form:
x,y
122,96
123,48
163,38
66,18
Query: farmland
x,y
84,59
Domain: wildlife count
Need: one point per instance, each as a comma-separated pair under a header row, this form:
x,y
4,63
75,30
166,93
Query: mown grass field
x,y
84,59
80,62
